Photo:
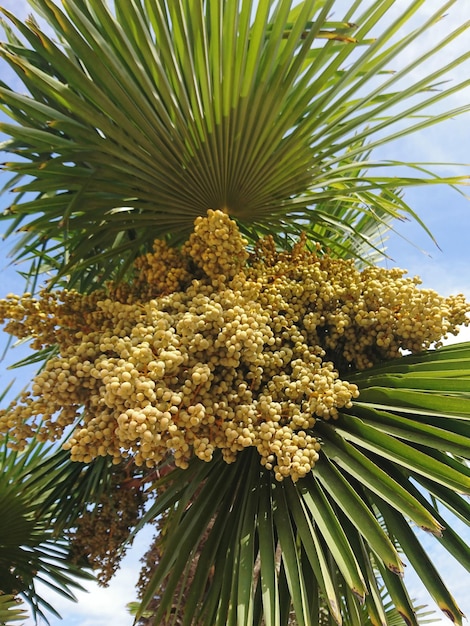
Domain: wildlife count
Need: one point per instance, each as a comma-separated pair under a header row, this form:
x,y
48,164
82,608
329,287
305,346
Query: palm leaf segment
x,y
143,115
10,610
43,496
33,545
336,537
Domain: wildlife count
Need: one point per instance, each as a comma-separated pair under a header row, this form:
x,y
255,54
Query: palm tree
x,y
140,116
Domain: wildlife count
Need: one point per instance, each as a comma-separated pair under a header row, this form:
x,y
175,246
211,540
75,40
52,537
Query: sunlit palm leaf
x,y
11,610
337,536
143,117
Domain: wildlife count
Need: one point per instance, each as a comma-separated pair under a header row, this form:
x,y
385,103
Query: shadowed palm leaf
x,y
43,495
33,547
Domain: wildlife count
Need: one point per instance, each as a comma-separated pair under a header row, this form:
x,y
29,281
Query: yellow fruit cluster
x,y
212,349
216,246
359,318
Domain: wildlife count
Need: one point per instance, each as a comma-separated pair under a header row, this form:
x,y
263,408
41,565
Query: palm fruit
x,y
212,348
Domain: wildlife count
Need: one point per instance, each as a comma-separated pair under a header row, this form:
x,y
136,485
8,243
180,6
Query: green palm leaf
x,y
42,496
33,547
140,118
10,610
337,535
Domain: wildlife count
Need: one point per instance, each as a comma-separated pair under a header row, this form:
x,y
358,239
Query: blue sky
x,y
445,269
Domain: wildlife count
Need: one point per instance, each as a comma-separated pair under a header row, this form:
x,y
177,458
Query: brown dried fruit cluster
x,y
211,349
100,536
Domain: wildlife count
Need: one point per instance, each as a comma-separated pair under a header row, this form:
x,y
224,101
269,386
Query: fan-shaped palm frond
x,y
142,115
42,495
33,547
341,533
48,499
